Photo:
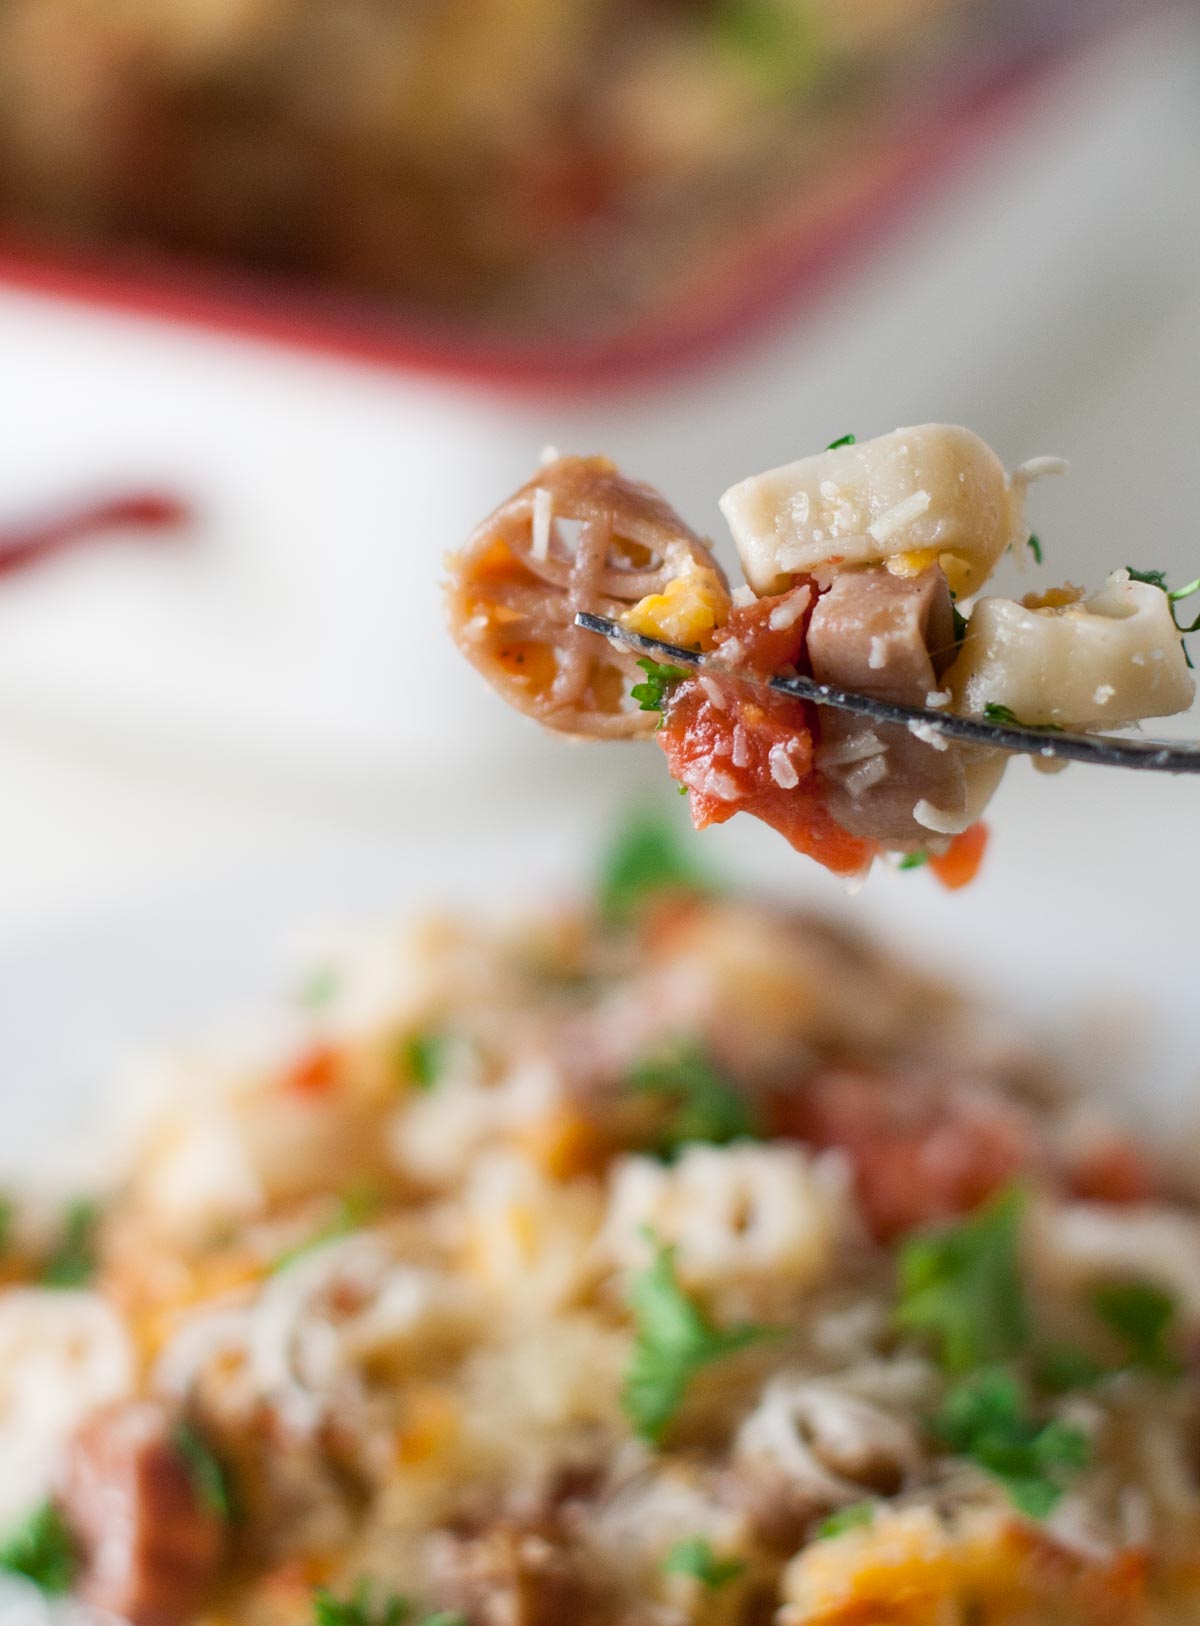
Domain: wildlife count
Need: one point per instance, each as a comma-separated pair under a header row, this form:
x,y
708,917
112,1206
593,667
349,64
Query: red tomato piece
x,y
918,1151
959,864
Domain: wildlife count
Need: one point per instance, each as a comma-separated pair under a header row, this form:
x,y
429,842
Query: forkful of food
x,y
856,693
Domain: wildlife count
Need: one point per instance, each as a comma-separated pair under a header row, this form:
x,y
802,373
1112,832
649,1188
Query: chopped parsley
x,y
995,713
208,1477
694,1556
673,1340
846,440
960,1287
651,695
355,1206
73,1261
646,857
913,861
705,1105
777,41
987,1419
1034,543
1140,1315
1158,578
424,1057
1059,1368
856,1516
42,1551
358,1610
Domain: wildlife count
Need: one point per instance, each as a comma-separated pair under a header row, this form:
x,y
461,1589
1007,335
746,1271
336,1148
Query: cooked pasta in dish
x,y
860,563
676,1262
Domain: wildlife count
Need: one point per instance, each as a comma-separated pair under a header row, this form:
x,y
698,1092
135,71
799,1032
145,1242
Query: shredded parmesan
x,y
741,756
866,743
783,769
1038,468
877,654
895,519
937,698
933,818
743,597
543,514
789,612
928,734
713,691
865,775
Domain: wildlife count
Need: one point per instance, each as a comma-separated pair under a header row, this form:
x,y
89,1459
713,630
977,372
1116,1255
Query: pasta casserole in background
x,y
675,1259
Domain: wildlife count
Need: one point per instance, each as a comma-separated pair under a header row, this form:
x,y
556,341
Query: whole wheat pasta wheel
x,y
578,536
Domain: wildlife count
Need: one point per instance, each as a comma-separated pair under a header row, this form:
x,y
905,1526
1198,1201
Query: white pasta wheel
x,y
828,1443
927,495
516,587
1113,658
62,1355
743,1219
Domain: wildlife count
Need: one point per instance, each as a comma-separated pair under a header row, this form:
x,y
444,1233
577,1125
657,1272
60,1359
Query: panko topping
x,y
676,1259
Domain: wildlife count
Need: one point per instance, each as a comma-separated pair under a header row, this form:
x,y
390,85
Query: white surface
x,y
201,748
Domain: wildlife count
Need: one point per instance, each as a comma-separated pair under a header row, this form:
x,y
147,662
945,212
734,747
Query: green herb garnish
x,y
694,1556
987,1419
358,1609
854,1517
1059,1368
913,861
960,1287
673,1340
651,695
209,1479
776,41
1034,543
706,1106
1140,1315
73,1262
995,713
846,440
355,1206
647,857
42,1551
1158,578
424,1057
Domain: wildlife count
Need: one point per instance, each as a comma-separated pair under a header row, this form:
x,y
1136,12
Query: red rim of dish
x,y
766,281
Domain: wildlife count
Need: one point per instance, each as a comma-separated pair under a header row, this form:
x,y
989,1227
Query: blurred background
x,y
292,292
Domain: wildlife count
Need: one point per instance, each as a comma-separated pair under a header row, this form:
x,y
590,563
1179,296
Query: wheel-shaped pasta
x,y
517,585
1111,659
933,494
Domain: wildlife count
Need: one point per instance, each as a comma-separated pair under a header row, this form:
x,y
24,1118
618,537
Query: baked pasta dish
x,y
861,564
545,164
679,1261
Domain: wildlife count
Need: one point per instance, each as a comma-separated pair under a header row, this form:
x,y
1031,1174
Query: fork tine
x,y
1160,756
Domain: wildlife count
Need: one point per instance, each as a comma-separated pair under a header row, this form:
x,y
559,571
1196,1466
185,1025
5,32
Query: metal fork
x,y
1162,756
